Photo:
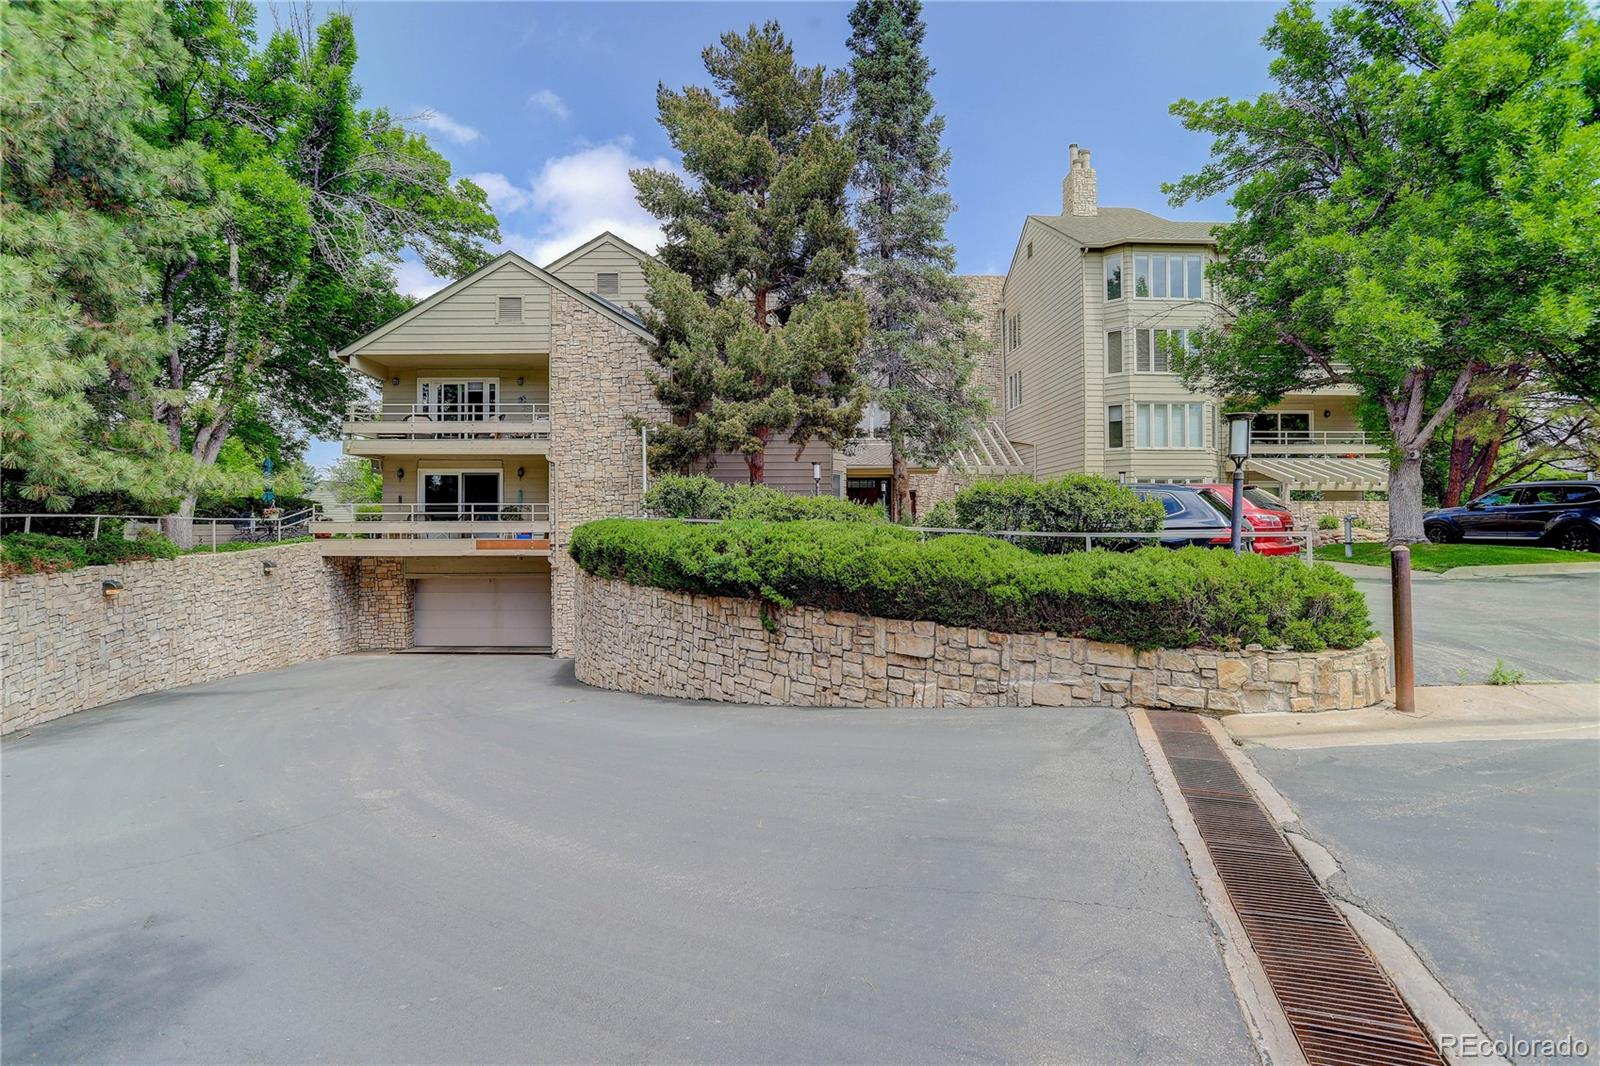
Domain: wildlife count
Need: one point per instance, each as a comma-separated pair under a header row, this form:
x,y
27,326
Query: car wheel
x,y
1577,539
1438,534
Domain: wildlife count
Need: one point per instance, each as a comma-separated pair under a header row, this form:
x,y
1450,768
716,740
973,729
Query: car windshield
x,y
1263,499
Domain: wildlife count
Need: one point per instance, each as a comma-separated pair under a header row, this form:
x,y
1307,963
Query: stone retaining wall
x,y
637,639
65,646
1306,513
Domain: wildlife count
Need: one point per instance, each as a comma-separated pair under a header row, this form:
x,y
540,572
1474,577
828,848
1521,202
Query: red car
x,y
1263,511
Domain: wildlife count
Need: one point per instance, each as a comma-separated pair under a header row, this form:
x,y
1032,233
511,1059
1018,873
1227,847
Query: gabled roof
x,y
605,237
1127,225
422,306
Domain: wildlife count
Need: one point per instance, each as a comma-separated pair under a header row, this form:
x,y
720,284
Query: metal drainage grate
x,y
1339,1004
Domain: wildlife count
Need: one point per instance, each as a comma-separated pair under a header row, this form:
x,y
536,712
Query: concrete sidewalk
x,y
1444,713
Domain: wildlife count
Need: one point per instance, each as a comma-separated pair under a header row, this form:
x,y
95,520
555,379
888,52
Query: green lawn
x,y
204,547
1441,557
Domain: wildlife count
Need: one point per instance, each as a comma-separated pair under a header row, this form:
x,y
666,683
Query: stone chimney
x,y
1078,194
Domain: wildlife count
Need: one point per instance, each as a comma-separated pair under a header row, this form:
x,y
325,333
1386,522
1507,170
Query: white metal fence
x,y
204,532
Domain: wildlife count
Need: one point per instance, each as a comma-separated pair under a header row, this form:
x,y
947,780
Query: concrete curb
x,y
1467,573
1435,1008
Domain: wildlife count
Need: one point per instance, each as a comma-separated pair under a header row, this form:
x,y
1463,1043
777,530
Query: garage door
x,y
483,612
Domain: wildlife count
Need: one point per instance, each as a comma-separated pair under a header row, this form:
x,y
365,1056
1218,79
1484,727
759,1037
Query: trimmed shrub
x,y
1329,521
1148,598
698,496
37,553
1076,503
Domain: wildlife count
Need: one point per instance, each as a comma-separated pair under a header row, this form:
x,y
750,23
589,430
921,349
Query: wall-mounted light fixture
x,y
111,587
519,471
1327,414
519,381
394,380
400,473
268,566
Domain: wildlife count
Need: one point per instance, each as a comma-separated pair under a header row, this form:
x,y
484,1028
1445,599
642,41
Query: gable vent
x,y
510,309
606,284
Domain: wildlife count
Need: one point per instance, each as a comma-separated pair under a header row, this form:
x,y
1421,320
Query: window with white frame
x,y
1114,352
1114,438
1169,425
1154,349
1113,276
1014,331
1169,276
1013,390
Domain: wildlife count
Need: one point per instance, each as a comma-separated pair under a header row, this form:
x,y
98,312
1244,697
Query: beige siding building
x,y
1095,303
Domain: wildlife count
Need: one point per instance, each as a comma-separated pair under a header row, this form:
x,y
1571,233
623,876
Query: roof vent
x,y
1078,193
606,284
510,309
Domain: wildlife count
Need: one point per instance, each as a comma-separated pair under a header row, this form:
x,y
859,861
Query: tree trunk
x,y
899,484
1405,498
757,461
179,527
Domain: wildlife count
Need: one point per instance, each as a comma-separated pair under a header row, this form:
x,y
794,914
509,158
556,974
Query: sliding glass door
x,y
461,495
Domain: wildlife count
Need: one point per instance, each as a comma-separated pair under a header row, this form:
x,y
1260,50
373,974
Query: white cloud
x,y
414,280
551,104
504,196
445,126
586,192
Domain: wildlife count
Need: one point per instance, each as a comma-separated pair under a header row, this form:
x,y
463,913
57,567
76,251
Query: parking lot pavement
x,y
475,858
1484,855
1547,626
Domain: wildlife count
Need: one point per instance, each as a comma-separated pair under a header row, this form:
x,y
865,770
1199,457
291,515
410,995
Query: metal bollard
x,y
1349,535
1405,670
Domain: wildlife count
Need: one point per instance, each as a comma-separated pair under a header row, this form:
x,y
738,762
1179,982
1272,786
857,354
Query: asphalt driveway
x,y
1484,855
471,858
1545,625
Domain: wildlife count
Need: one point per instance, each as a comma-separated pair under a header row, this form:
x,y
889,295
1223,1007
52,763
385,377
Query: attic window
x,y
606,284
510,309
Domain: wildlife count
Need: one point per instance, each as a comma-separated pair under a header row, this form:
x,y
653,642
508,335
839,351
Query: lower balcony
x,y
431,529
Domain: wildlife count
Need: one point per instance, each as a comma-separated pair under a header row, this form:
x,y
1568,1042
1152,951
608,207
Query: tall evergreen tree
x,y
91,206
920,355
755,331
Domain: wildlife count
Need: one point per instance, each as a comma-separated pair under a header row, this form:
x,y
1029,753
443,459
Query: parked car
x,y
1189,516
1560,514
1263,512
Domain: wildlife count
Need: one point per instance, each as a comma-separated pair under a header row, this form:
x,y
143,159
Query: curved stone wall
x,y
648,640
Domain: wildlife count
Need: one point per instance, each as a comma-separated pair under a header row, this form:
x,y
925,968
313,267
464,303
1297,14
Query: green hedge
x,y
1076,503
1149,598
677,496
33,553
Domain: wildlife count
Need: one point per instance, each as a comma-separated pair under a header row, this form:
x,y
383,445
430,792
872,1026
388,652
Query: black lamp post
x,y
1238,451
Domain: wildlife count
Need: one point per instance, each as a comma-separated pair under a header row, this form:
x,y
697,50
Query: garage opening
x,y
488,611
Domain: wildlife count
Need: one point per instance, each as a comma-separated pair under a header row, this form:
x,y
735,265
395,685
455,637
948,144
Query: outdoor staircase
x,y
991,453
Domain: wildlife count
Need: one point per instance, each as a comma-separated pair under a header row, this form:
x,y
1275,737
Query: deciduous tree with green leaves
x,y
1418,208
755,331
922,350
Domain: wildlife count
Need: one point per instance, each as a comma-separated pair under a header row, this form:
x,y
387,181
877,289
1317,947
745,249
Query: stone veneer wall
x,y
649,640
385,602
986,301
64,646
1306,513
599,379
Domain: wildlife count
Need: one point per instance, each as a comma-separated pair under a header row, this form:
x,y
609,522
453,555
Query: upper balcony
x,y
1336,443
438,428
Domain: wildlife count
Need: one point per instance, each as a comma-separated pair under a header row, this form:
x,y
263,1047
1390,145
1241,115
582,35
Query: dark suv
x,y
1561,514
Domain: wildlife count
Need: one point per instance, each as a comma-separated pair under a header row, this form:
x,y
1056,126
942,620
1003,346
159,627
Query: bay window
x,y
1169,276
1169,425
1114,426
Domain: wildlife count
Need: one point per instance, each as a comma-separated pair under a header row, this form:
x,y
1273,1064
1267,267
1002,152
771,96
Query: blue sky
x,y
548,105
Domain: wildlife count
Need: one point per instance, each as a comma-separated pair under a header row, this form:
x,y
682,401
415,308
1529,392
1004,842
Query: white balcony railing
x,y
453,512
1308,436
456,420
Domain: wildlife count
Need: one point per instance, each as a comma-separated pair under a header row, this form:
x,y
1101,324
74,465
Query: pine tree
x,y
91,203
755,330
922,349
